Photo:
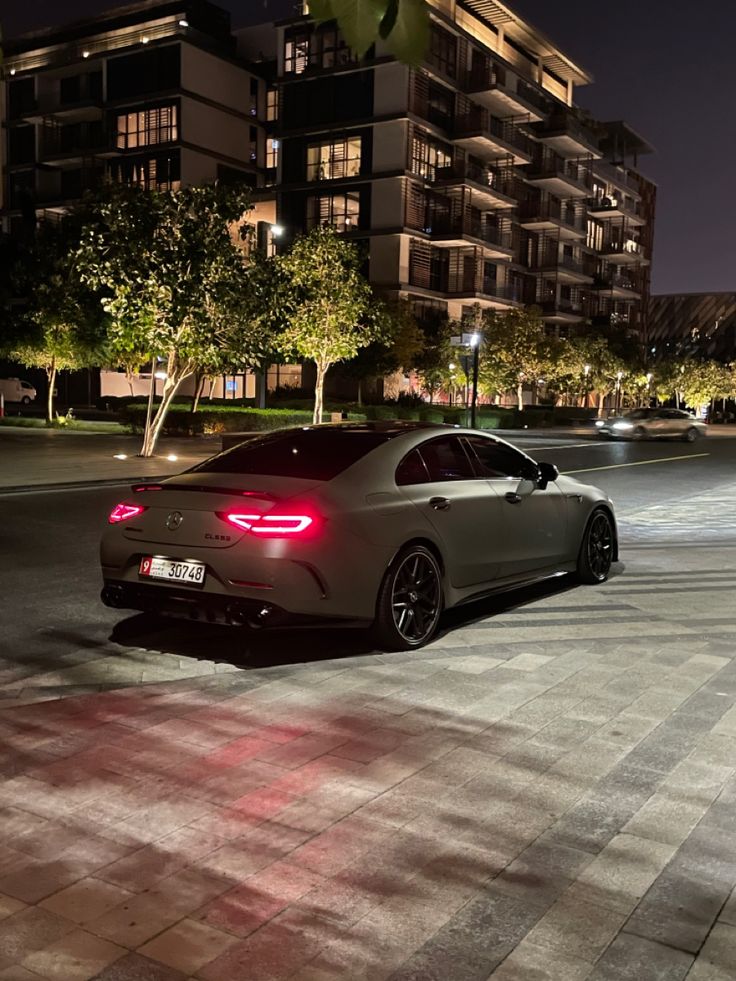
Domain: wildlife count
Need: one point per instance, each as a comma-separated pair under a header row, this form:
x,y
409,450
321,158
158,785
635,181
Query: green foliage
x,y
61,326
171,265
327,314
402,24
399,342
703,381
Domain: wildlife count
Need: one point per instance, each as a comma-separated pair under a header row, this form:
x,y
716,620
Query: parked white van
x,y
16,390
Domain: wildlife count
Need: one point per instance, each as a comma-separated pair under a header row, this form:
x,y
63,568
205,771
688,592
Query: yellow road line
x,y
639,463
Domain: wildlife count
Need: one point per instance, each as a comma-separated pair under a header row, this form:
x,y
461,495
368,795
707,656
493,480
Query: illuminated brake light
x,y
267,525
121,512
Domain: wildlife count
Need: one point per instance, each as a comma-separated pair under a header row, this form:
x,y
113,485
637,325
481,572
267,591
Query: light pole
x,y
586,372
619,376
475,344
649,388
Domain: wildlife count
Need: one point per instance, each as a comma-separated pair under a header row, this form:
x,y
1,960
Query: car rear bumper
x,y
208,607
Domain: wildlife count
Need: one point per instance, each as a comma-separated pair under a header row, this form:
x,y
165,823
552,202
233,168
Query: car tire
x,y
25,400
596,549
409,601
690,435
639,433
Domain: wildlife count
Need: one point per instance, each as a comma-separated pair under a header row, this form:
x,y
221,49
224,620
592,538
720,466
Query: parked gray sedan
x,y
382,523
653,424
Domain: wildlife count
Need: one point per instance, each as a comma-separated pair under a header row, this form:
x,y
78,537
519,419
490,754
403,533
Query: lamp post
x,y
586,372
649,388
619,376
475,344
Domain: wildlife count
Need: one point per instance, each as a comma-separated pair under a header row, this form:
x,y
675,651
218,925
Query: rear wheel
x,y
409,600
690,435
596,549
25,400
639,433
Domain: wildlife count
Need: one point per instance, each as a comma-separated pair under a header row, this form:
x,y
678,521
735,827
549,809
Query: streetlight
x,y
649,387
475,344
619,376
586,372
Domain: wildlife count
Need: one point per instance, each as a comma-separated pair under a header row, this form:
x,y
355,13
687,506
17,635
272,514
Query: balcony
x,y
489,137
71,103
548,214
67,147
491,186
559,308
461,274
561,177
618,286
492,86
566,269
608,207
622,250
567,135
450,231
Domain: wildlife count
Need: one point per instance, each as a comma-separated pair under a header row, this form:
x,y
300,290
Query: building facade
x,y
692,325
156,94
473,178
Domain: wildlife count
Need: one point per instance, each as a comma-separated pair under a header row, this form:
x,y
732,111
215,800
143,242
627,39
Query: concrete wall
x,y
385,259
387,204
390,143
391,88
215,129
214,78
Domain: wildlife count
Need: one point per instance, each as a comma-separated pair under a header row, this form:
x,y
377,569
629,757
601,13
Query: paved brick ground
x,y
542,795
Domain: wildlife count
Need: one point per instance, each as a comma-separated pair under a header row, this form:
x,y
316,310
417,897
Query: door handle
x,y
513,498
439,503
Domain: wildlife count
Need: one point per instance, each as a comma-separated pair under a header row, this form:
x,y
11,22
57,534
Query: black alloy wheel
x,y
596,550
410,600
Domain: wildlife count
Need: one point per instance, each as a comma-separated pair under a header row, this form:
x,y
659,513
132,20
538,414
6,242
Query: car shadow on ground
x,y
247,648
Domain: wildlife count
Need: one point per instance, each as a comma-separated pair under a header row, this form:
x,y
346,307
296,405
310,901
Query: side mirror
x,y
548,474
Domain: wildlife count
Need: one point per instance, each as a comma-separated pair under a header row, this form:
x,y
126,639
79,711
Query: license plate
x,y
172,570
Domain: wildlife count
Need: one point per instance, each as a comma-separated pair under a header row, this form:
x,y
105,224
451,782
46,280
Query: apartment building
x,y
156,93
473,178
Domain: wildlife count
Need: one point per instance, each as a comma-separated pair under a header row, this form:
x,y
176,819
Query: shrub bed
x,y
211,421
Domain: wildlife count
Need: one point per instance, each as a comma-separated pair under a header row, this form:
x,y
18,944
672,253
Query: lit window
x,y
428,156
272,153
341,211
330,161
146,128
296,54
272,105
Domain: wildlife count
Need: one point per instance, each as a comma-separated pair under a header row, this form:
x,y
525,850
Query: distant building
x,y
472,179
692,325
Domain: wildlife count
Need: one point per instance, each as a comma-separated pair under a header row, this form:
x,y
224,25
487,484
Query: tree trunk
x,y
601,400
520,395
150,437
318,392
199,381
360,391
149,408
51,375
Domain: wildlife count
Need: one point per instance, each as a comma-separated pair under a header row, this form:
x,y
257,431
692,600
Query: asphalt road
x,y
52,618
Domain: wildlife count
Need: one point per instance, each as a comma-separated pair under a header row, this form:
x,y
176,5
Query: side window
x,y
412,470
446,459
494,460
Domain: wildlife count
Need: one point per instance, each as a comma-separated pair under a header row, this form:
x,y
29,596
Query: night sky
x,y
668,73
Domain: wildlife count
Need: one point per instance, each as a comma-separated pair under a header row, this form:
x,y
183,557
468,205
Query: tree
x,y
398,344
587,363
62,326
327,314
172,264
516,348
703,381
402,24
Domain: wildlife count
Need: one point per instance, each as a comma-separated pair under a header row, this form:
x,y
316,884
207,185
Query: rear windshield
x,y
310,454
640,414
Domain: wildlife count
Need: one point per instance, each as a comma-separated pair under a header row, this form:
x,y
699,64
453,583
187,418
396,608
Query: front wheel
x,y
25,400
596,549
409,600
639,433
690,435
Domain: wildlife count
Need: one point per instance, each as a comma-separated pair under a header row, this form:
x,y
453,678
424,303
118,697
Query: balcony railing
x,y
550,259
551,209
498,178
69,143
483,77
617,281
463,225
622,246
531,95
562,122
549,164
479,120
614,203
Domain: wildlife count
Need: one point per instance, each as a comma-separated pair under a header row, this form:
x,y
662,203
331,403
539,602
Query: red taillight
x,y
271,525
121,512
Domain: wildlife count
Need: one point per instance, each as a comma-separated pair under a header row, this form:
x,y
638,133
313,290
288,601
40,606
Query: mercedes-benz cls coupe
x,y
653,424
362,523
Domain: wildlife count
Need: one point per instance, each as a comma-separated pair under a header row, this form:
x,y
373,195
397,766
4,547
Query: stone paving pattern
x,y
544,795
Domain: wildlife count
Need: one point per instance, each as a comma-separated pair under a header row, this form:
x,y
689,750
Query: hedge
x,y
180,421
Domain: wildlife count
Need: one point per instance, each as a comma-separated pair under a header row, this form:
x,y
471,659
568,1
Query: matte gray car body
x,y
488,533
